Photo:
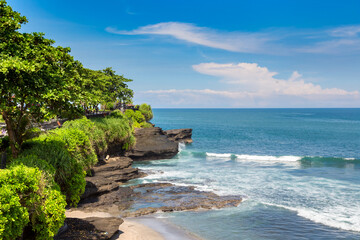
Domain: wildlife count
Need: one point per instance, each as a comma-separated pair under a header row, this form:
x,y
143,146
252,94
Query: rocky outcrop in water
x,y
180,135
143,199
152,144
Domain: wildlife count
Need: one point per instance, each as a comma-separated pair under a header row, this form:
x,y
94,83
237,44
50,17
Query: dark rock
x,y
180,135
149,198
152,144
107,177
113,202
91,228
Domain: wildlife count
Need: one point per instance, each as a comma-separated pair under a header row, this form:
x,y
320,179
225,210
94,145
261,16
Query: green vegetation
x,y
96,136
46,171
28,200
54,159
138,118
39,81
104,87
146,110
116,130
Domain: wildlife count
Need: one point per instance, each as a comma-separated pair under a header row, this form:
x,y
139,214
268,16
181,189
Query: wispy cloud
x,y
345,31
337,40
236,42
254,86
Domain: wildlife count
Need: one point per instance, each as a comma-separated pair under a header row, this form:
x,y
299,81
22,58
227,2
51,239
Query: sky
x,y
214,54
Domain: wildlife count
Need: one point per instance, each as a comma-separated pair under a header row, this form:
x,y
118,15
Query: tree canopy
x,y
39,81
104,86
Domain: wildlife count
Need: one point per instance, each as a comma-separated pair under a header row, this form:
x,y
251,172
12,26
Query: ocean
x,y
298,171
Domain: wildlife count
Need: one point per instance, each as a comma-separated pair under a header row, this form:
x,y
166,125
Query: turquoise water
x,y
297,169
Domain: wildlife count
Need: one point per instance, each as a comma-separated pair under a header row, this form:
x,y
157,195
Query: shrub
x,y
27,198
96,135
146,125
69,173
31,133
146,110
77,144
116,130
110,106
32,160
135,117
117,114
13,216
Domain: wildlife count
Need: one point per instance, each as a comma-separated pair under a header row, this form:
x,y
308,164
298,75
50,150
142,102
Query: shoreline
x,y
140,228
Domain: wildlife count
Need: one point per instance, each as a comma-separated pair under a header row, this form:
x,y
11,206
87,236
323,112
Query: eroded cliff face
x,y
180,135
154,143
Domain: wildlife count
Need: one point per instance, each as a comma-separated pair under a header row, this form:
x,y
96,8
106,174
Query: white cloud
x,y
339,40
345,31
253,86
235,42
252,77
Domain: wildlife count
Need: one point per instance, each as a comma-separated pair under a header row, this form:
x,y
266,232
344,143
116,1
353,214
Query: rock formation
x,y
91,228
180,135
107,176
152,144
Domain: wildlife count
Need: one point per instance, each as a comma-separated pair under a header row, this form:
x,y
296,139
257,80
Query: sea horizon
x,y
297,170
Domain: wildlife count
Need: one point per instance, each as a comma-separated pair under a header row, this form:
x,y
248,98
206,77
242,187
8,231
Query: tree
x,y
104,86
37,80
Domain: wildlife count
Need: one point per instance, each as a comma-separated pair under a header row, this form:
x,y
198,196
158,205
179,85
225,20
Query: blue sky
x,y
214,53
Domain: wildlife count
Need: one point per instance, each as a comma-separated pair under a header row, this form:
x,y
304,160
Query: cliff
x,y
154,143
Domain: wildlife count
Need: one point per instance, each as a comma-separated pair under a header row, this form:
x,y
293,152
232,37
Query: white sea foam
x,y
245,157
181,147
219,155
336,217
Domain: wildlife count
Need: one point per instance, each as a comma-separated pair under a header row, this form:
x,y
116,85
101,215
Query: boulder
x,y
180,135
152,144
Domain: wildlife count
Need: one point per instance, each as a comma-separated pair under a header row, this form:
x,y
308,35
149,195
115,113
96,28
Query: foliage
x,y
116,130
34,161
96,135
135,116
28,198
146,110
104,87
117,114
146,125
69,173
138,118
37,80
110,106
77,144
13,216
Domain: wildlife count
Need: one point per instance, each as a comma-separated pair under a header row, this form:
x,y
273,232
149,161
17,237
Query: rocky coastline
x,y
108,192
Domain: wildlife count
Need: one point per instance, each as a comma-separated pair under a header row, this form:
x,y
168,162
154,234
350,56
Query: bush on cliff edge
x,y
117,130
146,110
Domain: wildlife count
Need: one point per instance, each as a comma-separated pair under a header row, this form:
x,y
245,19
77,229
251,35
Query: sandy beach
x,y
142,228
132,230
